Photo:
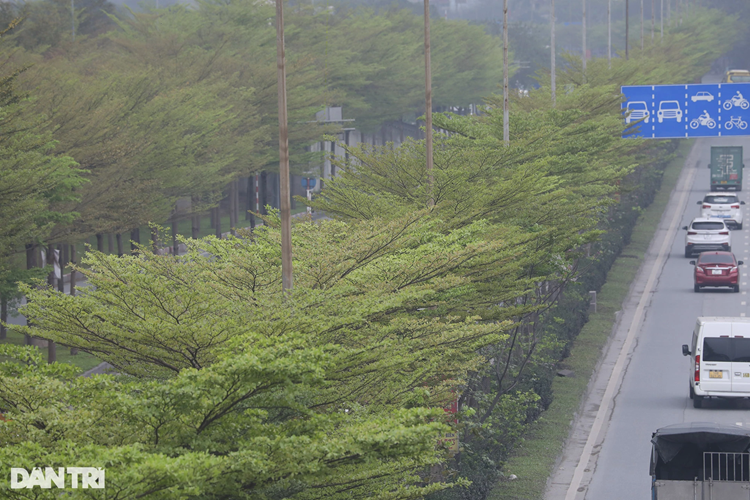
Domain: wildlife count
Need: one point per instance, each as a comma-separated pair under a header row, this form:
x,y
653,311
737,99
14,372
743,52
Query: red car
x,y
716,269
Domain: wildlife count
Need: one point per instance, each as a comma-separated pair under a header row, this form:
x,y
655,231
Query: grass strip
x,y
536,455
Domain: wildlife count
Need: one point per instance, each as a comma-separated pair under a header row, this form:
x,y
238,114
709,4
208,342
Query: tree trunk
x,y
100,242
118,237
232,206
175,244
30,264
217,221
110,243
195,220
135,238
250,202
263,191
154,239
3,318
51,262
62,250
74,350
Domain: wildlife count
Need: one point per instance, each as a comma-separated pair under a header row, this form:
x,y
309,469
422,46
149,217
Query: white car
x,y
702,96
705,234
637,110
669,110
723,206
719,362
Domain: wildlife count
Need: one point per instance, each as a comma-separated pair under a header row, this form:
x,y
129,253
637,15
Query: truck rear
x,y
726,167
700,461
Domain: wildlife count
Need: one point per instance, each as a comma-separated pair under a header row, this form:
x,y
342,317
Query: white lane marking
x,y
739,423
742,304
744,293
742,315
616,375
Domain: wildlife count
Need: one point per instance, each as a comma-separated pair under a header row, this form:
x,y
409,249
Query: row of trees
x,y
169,104
408,300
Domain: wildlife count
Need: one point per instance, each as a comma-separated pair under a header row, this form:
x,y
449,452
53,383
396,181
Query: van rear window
x,y
726,349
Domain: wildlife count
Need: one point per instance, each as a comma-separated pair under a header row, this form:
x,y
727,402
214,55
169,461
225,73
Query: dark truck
x,y
726,167
700,461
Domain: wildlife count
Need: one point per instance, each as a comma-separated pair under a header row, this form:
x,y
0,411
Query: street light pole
x,y
627,28
428,100
552,51
506,120
284,203
584,37
609,34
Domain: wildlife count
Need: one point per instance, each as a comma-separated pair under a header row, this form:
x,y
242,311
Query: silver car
x,y
705,234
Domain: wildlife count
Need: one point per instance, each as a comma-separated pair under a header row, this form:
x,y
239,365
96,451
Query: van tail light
x,y
706,206
697,367
735,206
724,232
692,233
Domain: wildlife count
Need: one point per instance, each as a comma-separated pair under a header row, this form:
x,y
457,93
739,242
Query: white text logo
x,y
80,477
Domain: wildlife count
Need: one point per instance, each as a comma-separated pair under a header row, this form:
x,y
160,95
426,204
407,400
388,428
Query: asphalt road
x,y
642,384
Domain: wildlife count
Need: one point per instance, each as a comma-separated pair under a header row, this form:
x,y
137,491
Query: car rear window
x,y
726,349
711,226
740,78
715,259
720,199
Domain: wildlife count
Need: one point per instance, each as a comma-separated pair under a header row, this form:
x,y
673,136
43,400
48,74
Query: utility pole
x,y
627,29
284,203
552,51
661,19
641,24
73,19
584,37
609,34
428,99
653,21
506,125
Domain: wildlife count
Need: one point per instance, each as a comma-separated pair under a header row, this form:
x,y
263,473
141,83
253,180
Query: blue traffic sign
x,y
308,180
679,111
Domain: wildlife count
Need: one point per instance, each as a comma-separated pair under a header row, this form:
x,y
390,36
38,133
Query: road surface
x,y
643,380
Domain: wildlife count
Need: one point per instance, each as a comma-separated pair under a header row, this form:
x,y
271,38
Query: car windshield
x,y
715,259
711,226
669,105
640,106
720,199
740,78
726,349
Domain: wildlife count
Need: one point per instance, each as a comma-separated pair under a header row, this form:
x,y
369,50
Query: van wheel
x,y
736,288
739,226
697,401
692,392
696,288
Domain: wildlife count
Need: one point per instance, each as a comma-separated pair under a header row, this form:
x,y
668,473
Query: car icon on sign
x,y
702,96
637,110
669,109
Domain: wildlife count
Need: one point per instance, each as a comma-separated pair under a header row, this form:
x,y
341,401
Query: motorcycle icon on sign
x,y
703,120
736,121
736,101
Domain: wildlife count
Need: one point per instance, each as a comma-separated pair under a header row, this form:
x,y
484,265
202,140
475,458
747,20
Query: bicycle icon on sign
x,y
736,121
704,120
736,101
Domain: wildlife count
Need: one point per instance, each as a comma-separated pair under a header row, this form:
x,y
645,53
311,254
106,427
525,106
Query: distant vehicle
x,y
737,76
702,96
716,269
637,110
700,461
723,206
719,359
669,110
704,234
726,167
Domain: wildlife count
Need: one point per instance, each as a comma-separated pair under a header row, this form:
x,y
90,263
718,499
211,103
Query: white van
x,y
719,359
